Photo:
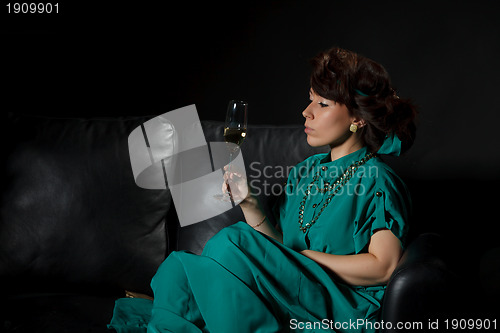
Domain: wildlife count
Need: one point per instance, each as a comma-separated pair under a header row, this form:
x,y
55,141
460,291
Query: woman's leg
x,y
196,294
174,307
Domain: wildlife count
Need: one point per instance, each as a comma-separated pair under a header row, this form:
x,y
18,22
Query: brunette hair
x,y
364,86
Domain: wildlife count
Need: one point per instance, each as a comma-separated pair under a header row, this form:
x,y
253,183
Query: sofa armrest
x,y
420,287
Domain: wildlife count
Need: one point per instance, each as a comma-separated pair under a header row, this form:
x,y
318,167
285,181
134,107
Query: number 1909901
x,y
32,8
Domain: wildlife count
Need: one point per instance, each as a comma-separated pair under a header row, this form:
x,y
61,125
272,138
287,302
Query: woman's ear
x,y
359,122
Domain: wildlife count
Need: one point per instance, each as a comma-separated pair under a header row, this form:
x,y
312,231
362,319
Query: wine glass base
x,y
223,197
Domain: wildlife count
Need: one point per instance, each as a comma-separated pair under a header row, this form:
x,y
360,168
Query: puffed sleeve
x,y
387,206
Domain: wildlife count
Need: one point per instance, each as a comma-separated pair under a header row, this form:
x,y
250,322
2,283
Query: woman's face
x,y
327,122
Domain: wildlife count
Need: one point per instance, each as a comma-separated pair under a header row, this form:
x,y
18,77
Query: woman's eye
x,y
323,105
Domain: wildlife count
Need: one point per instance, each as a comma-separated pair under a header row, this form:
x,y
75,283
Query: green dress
x,y
245,281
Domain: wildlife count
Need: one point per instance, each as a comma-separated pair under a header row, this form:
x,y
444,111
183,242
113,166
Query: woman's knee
x,y
171,267
231,237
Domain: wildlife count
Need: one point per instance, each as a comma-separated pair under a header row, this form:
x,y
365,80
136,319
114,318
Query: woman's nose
x,y
307,112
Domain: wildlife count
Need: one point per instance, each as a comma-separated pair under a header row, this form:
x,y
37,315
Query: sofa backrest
x,y
71,215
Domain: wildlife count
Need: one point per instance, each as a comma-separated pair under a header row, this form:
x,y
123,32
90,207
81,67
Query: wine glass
x,y
235,131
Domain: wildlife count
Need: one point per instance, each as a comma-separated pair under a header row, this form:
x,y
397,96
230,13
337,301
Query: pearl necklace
x,y
337,185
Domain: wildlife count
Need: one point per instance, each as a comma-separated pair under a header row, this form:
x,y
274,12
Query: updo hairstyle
x,y
364,86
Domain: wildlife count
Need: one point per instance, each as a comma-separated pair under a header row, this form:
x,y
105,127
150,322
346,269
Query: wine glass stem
x,y
227,182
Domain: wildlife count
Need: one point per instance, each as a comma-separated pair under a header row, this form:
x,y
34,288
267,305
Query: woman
x,y
340,231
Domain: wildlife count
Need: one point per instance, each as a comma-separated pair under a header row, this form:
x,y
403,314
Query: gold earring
x,y
353,128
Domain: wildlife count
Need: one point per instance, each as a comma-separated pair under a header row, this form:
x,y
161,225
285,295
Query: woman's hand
x,y
235,184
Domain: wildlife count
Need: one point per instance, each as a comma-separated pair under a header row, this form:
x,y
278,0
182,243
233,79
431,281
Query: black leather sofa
x,y
76,231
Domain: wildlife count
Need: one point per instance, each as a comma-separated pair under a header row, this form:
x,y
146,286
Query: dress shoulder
x,y
386,205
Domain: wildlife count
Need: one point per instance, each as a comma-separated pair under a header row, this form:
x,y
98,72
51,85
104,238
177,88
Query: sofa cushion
x,y
71,214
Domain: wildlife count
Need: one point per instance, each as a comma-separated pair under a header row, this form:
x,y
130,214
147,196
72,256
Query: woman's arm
x,y
256,218
364,269
249,204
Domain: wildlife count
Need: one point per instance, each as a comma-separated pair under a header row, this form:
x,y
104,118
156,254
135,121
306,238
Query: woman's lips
x,y
308,130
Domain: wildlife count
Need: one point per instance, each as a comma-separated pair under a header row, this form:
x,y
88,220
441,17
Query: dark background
x,y
145,58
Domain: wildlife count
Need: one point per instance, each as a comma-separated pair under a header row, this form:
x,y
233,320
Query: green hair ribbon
x,y
359,92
